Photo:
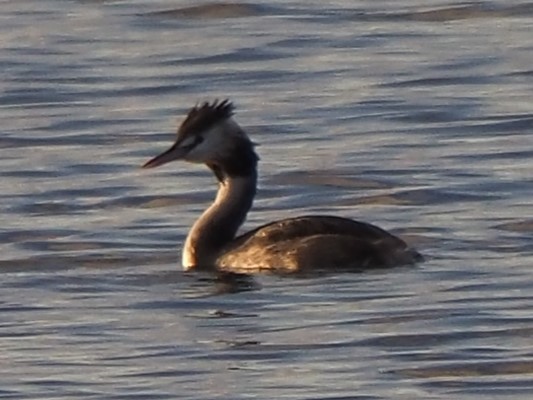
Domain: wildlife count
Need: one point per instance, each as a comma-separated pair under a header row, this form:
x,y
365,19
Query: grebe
x,y
209,135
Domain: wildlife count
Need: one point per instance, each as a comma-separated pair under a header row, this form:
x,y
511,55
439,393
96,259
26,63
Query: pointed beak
x,y
174,153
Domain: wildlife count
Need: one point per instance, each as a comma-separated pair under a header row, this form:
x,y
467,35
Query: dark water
x,y
414,115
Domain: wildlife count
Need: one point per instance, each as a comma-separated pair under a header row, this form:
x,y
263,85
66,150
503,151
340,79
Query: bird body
x,y
315,242
209,135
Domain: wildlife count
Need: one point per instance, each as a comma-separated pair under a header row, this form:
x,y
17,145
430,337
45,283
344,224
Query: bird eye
x,y
190,142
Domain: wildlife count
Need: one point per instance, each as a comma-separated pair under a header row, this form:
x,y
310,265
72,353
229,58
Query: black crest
x,y
201,118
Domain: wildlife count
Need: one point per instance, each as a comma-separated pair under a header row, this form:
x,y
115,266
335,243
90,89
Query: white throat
x,y
218,225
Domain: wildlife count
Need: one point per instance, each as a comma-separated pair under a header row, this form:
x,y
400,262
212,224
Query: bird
x,y
210,135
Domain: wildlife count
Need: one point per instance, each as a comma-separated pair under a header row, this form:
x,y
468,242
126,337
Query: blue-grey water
x,y
414,115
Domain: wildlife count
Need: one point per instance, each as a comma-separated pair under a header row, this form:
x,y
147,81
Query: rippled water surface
x,y
414,115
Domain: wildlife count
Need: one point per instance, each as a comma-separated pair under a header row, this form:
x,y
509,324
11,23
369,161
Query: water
x,y
410,114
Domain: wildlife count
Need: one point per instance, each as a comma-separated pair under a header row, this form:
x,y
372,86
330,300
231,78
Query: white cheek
x,y
212,144
188,141
198,154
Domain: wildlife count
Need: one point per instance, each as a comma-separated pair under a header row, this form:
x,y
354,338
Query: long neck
x,y
219,223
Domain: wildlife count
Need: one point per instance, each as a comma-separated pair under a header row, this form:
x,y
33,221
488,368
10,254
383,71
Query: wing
x,y
311,225
315,242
